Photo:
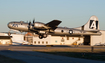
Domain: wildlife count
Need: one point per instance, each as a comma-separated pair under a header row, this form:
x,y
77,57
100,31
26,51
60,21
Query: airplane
x,y
51,28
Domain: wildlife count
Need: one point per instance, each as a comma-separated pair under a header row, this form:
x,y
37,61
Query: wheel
x,y
70,31
44,35
40,36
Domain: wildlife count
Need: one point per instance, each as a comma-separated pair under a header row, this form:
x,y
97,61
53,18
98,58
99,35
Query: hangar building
x,y
5,39
91,40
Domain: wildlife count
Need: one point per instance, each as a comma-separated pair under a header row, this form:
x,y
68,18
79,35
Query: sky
x,y
72,13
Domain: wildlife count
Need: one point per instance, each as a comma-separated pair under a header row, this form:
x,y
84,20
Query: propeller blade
x,y
29,25
33,21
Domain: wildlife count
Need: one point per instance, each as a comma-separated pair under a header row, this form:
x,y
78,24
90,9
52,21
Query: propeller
x,y
29,24
33,22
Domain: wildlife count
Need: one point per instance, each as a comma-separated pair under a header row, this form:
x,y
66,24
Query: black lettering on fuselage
x,y
15,25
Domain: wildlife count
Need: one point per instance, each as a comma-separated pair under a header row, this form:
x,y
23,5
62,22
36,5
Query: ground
x,y
4,59
94,54
30,52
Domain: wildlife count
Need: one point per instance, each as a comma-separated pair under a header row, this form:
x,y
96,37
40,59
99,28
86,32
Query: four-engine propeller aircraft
x,y
90,28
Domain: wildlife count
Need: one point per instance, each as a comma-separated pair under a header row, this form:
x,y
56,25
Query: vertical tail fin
x,y
92,24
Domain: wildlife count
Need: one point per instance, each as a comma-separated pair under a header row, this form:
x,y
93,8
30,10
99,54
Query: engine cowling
x,y
39,25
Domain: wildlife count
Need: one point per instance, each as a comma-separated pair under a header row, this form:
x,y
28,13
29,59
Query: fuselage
x,y
58,31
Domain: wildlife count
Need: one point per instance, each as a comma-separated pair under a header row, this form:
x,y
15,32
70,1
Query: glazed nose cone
x,y
9,25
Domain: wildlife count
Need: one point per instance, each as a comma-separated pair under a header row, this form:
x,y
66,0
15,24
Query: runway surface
x,y
26,54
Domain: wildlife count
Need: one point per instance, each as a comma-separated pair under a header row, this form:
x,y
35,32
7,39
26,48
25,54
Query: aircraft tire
x,y
44,35
40,36
70,31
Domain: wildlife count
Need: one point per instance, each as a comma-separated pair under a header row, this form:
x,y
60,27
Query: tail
x,y
92,24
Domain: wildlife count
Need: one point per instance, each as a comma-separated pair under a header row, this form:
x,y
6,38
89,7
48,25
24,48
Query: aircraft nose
x,y
9,25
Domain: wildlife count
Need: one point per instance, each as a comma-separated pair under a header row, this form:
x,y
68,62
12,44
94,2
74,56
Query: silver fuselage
x,y
58,31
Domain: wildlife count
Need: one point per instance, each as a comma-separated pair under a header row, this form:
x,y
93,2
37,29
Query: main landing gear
x,y
42,36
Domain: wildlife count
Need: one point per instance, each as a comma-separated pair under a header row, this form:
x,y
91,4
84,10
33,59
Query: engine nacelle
x,y
40,25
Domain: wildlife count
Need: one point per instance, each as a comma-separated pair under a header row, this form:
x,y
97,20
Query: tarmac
x,y
37,57
30,56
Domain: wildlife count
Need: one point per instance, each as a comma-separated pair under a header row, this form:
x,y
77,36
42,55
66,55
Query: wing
x,y
53,24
